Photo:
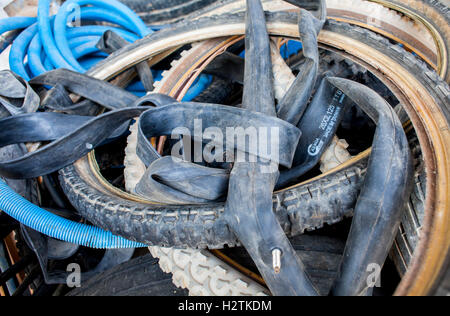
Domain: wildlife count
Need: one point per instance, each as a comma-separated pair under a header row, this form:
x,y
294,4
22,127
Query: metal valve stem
x,y
276,259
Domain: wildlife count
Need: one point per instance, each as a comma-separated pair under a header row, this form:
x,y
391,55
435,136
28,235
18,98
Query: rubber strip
x,y
16,95
92,132
98,91
249,206
319,125
387,186
292,107
227,66
40,245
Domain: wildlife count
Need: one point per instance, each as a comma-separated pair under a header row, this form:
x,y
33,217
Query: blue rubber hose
x,y
109,11
14,23
111,6
96,14
18,50
57,227
200,84
290,48
98,30
35,57
89,62
76,41
55,41
73,48
46,34
29,41
50,44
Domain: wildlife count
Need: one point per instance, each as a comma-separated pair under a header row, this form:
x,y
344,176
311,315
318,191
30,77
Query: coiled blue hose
x,y
113,11
50,34
57,227
50,44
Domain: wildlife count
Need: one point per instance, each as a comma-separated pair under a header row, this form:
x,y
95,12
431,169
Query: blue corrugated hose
x,y
57,227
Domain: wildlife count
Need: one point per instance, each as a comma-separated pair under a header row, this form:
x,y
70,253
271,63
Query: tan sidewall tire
x,y
425,98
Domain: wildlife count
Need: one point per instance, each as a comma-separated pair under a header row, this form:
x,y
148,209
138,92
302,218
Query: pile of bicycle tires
x,y
102,168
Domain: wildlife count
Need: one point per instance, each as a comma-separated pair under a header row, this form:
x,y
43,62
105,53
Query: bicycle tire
x,y
138,277
170,259
421,26
165,11
434,90
142,277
